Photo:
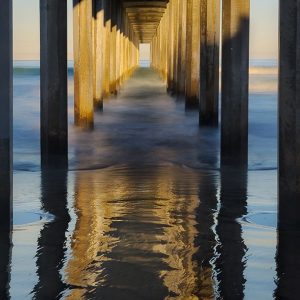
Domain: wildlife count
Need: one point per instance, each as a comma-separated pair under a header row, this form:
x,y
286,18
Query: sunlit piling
x,y
98,54
83,63
235,69
181,68
6,94
113,49
118,46
175,30
192,54
106,49
118,55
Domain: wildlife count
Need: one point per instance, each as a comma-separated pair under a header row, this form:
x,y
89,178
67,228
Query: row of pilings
x,y
105,54
109,47
185,50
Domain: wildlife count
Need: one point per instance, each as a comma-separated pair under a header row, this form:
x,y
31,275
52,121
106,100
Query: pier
x,y
186,39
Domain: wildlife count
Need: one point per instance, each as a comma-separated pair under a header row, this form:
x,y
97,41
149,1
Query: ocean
x,y
144,211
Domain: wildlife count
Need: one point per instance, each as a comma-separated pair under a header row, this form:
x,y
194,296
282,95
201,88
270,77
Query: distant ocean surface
x,y
256,67
32,66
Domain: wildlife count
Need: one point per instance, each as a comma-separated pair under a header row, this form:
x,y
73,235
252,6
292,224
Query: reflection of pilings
x,y
5,261
6,114
137,227
52,239
192,53
83,63
230,262
288,265
54,97
289,116
235,64
209,68
206,239
91,239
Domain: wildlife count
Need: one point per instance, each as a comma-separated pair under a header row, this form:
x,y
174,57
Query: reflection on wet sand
x,y
206,241
231,261
135,235
288,265
5,261
52,247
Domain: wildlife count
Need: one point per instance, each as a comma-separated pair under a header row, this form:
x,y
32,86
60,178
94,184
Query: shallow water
x,y
144,211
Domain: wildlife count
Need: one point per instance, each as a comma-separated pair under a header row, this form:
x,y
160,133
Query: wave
x,y
256,67
34,71
266,70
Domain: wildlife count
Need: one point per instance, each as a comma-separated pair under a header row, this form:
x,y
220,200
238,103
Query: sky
x,y
263,30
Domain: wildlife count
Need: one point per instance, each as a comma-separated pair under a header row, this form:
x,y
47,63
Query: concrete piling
x,y
235,76
6,99
83,63
181,72
289,116
209,62
98,54
54,83
192,54
113,50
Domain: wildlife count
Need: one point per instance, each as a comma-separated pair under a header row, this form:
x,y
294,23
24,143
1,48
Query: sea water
x,y
144,211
